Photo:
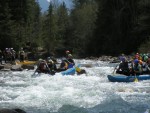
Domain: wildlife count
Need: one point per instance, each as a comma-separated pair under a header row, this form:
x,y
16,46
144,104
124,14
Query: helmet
x,y
48,58
122,54
67,51
123,59
50,61
69,55
145,58
136,61
40,59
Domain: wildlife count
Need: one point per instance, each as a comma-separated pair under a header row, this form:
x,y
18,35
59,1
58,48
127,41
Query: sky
x,y
44,4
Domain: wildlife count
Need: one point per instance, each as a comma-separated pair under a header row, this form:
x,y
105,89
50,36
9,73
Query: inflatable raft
x,y
70,71
26,62
123,78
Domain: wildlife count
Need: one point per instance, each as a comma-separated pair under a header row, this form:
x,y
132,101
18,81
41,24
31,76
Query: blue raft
x,y
123,78
70,71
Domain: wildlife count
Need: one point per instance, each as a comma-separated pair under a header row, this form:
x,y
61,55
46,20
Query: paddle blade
x,y
78,69
136,80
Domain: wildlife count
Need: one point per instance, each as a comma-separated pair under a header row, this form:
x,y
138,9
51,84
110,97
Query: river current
x,y
87,93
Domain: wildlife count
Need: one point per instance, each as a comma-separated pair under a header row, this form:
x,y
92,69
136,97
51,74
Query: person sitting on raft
x,y
63,65
67,53
148,64
42,67
52,66
70,61
136,67
22,55
123,67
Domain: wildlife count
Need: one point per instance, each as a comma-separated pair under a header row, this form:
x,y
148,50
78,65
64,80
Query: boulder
x,y
7,66
1,67
4,110
16,68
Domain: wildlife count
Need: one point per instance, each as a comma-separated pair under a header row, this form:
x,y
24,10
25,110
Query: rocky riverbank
x,y
20,67
13,67
110,59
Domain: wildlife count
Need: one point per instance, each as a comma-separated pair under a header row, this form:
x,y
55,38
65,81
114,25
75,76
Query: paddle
x,y
33,75
35,70
136,79
50,72
115,69
77,68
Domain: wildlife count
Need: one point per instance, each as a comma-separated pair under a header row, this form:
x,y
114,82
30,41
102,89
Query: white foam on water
x,y
52,92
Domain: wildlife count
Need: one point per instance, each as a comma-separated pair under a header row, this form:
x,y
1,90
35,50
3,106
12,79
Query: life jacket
x,y
138,68
64,65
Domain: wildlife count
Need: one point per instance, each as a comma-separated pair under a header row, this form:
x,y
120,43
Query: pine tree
x,y
6,26
83,18
50,29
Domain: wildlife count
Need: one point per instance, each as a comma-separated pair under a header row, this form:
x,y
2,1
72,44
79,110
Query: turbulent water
x,y
87,93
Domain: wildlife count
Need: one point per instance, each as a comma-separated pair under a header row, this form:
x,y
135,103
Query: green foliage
x,y
90,28
50,29
55,27
6,26
18,22
117,26
83,23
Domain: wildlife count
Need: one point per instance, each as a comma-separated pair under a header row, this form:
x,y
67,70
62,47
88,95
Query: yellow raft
x,y
26,62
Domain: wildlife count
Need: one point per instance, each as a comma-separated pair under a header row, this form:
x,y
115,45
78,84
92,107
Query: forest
x,y
89,28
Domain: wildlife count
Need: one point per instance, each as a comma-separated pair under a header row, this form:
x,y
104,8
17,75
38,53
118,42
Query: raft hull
x,y
70,71
123,78
26,62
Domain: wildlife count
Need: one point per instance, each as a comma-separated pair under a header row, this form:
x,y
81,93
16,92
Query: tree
x,y
6,26
83,18
115,27
50,29
63,26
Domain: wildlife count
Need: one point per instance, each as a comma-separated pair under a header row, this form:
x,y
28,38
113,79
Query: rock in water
x,y
1,67
16,68
11,111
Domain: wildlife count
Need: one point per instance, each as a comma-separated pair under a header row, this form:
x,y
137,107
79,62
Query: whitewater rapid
x,y
87,93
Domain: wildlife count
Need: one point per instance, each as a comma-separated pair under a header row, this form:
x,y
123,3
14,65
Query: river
x,y
87,93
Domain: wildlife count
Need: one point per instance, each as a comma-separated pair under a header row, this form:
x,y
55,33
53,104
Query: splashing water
x,y
87,93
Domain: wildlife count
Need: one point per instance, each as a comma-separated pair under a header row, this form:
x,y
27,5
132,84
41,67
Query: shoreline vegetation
x,y
89,28
9,66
